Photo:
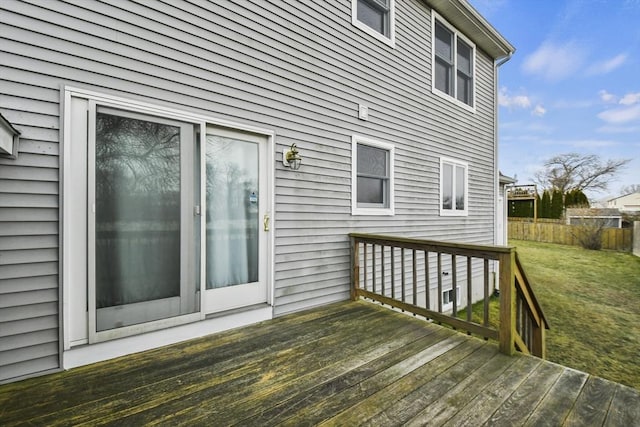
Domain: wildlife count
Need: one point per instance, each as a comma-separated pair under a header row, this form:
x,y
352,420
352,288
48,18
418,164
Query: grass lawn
x,y
592,301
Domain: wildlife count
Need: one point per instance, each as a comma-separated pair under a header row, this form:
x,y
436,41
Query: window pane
x,y
372,161
371,190
464,89
374,14
443,77
446,297
137,210
460,196
464,58
444,43
447,186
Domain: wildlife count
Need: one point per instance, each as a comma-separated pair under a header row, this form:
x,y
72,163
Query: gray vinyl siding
x,y
29,233
299,68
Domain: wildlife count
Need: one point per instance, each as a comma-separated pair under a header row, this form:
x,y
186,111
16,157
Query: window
x,y
375,17
453,63
453,187
372,177
447,299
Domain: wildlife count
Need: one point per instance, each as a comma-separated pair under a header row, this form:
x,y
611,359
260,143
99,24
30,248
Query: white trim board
x,y
87,354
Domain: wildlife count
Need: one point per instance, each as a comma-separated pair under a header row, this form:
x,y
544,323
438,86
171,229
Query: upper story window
x,y
453,187
372,177
453,63
375,17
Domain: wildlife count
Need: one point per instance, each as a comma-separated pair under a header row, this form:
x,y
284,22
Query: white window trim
x,y
355,210
449,306
455,212
391,40
456,34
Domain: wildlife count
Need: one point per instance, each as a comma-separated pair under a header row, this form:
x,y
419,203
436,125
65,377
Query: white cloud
x,y
505,99
621,115
523,126
591,143
572,104
619,129
630,99
555,62
607,66
607,97
516,101
539,111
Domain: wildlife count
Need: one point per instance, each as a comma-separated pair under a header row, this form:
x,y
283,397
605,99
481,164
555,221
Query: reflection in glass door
x,y
143,223
235,220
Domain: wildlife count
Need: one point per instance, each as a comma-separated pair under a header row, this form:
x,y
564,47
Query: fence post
x,y
355,268
507,302
635,239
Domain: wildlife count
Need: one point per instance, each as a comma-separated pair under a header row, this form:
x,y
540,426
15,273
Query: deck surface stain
x,y
350,363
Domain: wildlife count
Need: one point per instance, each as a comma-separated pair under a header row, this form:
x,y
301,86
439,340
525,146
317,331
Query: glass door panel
x,y
232,212
236,206
143,219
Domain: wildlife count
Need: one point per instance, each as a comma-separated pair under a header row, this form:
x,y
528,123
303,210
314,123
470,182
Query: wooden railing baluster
x,y
393,273
404,292
454,284
439,282
485,320
373,267
415,278
427,302
469,290
365,264
382,267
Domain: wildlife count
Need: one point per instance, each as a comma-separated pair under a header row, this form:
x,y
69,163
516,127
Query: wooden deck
x,y
352,363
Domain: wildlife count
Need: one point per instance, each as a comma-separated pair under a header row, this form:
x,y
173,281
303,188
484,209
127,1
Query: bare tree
x,y
633,188
574,171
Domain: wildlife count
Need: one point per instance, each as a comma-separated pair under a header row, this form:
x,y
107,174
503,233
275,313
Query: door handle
x,y
265,222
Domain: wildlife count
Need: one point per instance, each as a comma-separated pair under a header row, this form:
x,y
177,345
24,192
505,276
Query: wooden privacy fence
x,y
617,239
409,274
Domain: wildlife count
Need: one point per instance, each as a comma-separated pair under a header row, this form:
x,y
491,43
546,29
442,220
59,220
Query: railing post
x,y
507,302
539,341
355,268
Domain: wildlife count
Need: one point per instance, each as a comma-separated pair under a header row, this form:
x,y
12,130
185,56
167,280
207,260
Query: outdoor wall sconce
x,y
291,158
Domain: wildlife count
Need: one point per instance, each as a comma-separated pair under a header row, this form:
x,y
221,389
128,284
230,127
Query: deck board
x,y
351,363
559,400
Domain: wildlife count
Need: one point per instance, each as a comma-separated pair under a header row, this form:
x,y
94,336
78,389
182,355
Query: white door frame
x,y
74,239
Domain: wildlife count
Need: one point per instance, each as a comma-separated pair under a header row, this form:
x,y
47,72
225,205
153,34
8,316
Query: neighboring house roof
x,y
630,196
505,180
463,16
627,203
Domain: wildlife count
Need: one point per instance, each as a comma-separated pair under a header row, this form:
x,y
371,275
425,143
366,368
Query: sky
x,y
573,84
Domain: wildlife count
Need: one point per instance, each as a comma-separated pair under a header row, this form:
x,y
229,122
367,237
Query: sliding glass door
x,y
177,221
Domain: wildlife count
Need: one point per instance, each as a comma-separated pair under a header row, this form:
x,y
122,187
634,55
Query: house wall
x,y
299,68
628,203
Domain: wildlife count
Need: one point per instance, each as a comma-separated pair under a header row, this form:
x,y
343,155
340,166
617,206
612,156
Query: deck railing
x,y
434,279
